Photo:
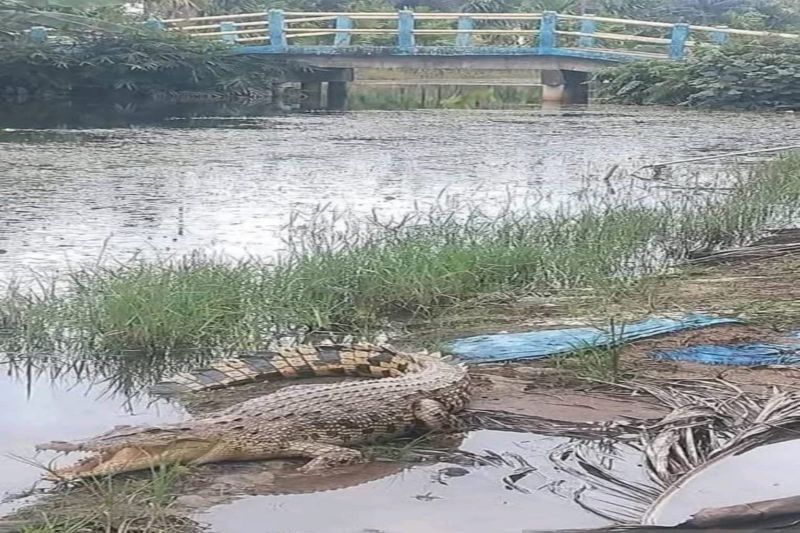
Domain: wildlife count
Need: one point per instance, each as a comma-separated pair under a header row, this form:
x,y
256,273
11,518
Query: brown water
x,y
226,185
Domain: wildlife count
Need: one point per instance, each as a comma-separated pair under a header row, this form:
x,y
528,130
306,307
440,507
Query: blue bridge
x,y
565,48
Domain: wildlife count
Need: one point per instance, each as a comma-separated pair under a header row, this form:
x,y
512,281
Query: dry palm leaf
x,y
710,420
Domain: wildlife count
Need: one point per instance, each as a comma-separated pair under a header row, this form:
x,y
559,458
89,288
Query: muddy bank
x,y
540,389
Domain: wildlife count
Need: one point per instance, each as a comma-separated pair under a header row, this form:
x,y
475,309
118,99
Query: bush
x,y
763,75
130,65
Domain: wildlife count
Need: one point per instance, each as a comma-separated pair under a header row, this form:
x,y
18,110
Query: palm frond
x,y
708,422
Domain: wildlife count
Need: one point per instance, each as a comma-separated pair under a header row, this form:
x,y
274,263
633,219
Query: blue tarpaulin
x,y
739,355
540,344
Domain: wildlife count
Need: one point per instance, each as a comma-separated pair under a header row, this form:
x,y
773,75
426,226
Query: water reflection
x,y
518,489
126,375
84,115
759,474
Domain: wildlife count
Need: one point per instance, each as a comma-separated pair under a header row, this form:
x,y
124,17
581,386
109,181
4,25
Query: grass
x,y
133,504
600,363
362,276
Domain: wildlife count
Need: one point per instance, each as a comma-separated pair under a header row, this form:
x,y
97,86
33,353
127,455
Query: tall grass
x,y
142,504
346,275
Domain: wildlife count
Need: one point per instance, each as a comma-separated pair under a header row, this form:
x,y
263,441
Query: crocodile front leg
x,y
322,455
434,416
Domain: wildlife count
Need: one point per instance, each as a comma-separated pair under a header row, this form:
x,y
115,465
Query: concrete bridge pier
x,y
312,95
337,95
567,87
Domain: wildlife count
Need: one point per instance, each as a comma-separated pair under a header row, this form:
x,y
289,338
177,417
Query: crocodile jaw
x,y
131,459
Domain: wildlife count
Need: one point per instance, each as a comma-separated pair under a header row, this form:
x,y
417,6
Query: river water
x,y
74,189
226,184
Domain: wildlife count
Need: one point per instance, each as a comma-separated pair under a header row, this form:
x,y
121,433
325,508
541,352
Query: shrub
x,y
764,75
130,65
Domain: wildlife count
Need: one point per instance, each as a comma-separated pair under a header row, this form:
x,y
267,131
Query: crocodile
x,y
319,422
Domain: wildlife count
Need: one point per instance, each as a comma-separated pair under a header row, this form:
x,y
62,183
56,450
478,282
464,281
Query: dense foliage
x,y
752,76
129,65
67,16
749,14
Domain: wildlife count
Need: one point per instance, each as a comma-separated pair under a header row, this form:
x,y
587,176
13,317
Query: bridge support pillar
x,y
565,87
576,87
312,95
337,95
552,86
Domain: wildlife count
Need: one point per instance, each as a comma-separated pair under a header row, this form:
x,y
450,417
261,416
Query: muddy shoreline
x,y
542,390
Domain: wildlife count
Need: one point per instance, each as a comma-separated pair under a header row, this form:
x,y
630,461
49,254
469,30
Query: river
x,y
76,191
226,184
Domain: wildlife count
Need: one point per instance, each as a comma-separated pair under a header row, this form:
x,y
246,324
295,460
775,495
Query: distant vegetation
x,y
746,14
445,97
750,14
750,76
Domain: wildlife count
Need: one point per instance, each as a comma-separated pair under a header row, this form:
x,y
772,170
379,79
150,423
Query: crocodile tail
x,y
362,360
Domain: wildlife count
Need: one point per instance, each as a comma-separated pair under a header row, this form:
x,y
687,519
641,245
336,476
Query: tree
x,y
760,75
766,14
133,65
65,15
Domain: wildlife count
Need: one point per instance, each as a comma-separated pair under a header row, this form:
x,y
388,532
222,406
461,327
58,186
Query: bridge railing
x,y
368,28
406,30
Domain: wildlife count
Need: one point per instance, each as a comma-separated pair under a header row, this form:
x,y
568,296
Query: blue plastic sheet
x,y
546,343
739,355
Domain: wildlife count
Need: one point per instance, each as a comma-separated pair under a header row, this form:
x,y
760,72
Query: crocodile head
x,y
129,450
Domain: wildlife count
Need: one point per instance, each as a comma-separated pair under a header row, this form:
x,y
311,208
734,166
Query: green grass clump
x,y
192,303
135,504
355,276
599,363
